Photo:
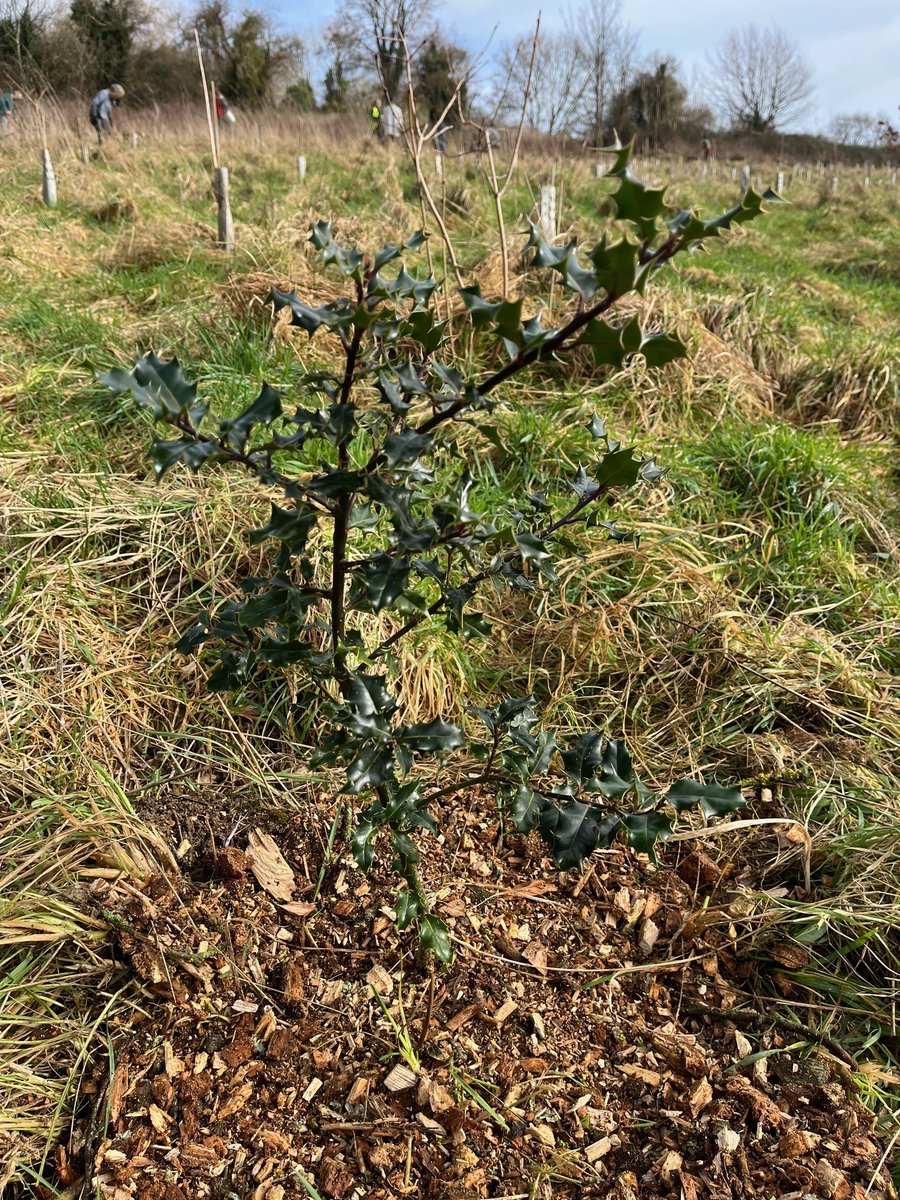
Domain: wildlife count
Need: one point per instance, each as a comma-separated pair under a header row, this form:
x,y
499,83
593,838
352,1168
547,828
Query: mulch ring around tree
x,y
580,1044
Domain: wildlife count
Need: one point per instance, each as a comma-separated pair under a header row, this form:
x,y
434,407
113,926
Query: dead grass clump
x,y
248,293
859,396
114,212
142,248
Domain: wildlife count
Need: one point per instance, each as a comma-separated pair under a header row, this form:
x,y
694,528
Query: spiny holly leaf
x,y
572,832
158,386
407,908
435,936
645,830
369,705
336,483
525,808
637,202
372,767
714,800
616,770
582,762
291,526
384,579
263,411
534,551
361,843
337,314
405,447
661,348
428,737
187,451
616,267
597,428
619,468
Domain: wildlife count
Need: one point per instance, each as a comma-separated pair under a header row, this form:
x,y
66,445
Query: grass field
x,y
753,635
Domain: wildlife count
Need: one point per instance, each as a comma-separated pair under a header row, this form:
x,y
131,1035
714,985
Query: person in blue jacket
x,y
100,113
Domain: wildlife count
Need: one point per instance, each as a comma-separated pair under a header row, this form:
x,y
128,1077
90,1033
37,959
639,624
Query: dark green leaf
x,y
435,936
430,736
572,832
291,526
525,808
384,579
187,451
616,777
158,386
645,830
263,411
407,908
714,800
337,483
405,446
361,843
584,760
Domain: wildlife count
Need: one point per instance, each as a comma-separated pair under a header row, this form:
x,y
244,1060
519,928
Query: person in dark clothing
x,y
100,113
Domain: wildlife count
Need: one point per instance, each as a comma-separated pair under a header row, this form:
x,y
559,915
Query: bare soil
x,y
601,1034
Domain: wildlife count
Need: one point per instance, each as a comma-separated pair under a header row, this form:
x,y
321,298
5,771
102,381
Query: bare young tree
x,y
607,48
551,81
759,79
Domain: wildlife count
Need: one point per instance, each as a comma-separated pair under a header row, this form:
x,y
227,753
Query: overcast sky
x,y
853,47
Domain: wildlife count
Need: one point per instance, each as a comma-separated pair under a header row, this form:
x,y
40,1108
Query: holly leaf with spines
x,y
336,315
525,808
406,908
291,526
361,842
368,706
435,936
159,386
572,831
377,584
430,737
187,452
235,431
585,758
645,829
372,767
616,776
713,799
405,446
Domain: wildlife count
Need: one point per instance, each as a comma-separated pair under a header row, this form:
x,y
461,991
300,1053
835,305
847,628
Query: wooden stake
x,y
301,166
745,178
779,182
209,120
218,151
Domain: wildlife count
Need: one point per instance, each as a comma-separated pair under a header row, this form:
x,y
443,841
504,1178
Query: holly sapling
x,y
374,527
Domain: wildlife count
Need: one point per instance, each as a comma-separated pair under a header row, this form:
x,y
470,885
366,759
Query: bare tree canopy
x,y
854,129
759,79
606,47
552,91
376,36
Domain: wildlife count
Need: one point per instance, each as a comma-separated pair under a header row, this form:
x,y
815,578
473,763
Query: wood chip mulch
x,y
580,1045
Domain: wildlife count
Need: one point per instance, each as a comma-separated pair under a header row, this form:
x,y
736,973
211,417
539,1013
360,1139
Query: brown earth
x,y
597,1035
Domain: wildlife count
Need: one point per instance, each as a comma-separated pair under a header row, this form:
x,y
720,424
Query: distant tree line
x,y
587,81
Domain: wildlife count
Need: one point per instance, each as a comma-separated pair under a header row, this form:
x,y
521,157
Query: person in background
x,y
375,119
8,110
100,113
224,115
391,124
